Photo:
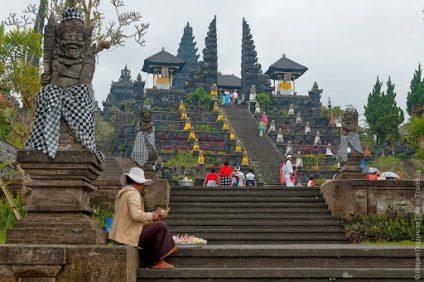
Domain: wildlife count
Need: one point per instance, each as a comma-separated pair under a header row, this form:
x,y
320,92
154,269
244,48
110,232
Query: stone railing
x,y
366,197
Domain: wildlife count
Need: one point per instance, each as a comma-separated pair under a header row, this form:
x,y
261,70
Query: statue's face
x,y
72,39
350,119
147,116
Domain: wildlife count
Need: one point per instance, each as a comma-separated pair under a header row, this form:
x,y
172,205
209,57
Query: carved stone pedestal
x,y
59,209
350,169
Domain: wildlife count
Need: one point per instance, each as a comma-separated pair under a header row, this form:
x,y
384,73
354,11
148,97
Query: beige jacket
x,y
129,217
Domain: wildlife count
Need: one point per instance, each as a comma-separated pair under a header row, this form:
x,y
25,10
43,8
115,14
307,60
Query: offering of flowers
x,y
186,239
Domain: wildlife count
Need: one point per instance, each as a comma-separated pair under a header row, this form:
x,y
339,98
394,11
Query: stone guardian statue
x,y
349,136
64,109
144,150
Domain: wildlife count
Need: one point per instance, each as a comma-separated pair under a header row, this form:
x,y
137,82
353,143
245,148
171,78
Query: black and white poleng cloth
x,y
75,104
139,153
345,140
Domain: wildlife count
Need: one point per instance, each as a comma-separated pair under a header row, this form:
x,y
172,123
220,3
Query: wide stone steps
x,y
255,215
308,262
237,210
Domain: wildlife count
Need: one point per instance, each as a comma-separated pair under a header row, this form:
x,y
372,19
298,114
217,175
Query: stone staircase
x,y
271,215
270,234
262,152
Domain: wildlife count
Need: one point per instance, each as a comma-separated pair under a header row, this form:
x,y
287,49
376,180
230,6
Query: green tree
x,y
382,113
19,77
103,129
415,97
416,128
201,100
264,100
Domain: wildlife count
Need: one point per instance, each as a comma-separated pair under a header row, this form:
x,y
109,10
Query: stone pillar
x,y
59,209
350,169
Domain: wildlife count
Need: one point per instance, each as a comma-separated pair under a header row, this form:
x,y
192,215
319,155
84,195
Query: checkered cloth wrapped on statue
x,y
75,104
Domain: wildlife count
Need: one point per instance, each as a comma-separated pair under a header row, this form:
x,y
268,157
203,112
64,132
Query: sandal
x,y
162,264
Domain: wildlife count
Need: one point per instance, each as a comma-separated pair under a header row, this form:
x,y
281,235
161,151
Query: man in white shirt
x,y
250,179
288,170
235,97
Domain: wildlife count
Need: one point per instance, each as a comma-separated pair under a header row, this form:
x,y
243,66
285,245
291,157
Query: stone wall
x,y
68,263
366,197
7,152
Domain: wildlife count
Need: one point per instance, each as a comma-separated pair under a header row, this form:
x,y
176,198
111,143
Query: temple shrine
x,y
164,66
284,72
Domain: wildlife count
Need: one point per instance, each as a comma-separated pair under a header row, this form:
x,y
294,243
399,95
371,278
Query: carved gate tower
x,y
61,156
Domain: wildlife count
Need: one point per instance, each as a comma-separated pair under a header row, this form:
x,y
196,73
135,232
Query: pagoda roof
x,y
285,65
229,81
162,59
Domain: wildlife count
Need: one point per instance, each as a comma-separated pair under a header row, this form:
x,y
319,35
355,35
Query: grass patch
x,y
2,236
400,243
7,217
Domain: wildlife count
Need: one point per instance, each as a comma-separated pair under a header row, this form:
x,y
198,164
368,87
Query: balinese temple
x,y
284,72
229,82
163,66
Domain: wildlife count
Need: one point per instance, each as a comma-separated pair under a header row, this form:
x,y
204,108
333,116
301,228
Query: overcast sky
x,y
345,44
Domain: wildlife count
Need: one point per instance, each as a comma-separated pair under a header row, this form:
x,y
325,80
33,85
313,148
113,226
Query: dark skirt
x,y
156,241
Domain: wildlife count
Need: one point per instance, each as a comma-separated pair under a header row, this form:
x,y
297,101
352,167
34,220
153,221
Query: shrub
x,y
388,163
381,228
7,217
183,164
263,100
101,215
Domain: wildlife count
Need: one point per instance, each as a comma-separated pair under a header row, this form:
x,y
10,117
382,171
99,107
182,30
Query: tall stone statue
x,y
65,103
349,136
144,150
252,96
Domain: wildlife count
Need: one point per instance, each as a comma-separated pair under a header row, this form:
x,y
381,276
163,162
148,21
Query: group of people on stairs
x,y
288,172
227,177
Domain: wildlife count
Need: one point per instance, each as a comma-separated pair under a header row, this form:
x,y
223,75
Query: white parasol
x,y
390,174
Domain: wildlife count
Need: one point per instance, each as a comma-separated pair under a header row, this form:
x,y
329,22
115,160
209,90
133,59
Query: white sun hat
x,y
137,175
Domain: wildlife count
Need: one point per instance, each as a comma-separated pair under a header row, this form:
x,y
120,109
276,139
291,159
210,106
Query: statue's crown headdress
x,y
72,13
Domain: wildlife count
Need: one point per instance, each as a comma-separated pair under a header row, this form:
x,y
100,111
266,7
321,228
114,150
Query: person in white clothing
x,y
235,97
250,179
241,179
287,169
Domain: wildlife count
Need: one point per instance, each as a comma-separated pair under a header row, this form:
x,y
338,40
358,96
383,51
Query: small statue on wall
x,y
317,140
299,160
328,151
257,108
272,127
64,110
289,149
291,110
307,128
349,135
280,136
144,150
298,119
